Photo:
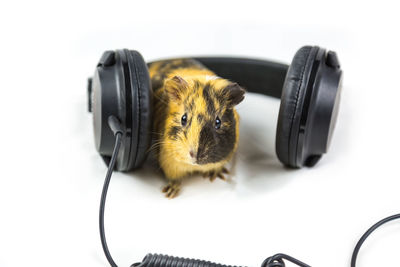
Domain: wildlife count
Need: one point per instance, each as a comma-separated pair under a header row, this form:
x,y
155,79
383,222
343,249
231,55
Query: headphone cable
x,y
116,128
274,261
366,235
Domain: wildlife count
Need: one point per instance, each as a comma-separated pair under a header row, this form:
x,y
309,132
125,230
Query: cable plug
x,y
115,125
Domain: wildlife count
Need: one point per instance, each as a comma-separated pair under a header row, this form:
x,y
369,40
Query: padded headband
x,y
257,76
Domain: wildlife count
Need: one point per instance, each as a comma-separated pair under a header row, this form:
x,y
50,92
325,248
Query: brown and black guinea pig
x,y
196,126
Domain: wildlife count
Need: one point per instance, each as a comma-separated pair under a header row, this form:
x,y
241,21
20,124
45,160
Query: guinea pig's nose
x,y
192,154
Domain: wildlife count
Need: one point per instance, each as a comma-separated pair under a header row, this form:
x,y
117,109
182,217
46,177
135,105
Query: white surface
x,y
52,176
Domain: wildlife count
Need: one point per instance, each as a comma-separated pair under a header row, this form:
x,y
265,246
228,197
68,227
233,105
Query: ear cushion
x,y
141,115
291,106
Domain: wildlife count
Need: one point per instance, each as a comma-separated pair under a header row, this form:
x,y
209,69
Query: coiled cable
x,y
157,260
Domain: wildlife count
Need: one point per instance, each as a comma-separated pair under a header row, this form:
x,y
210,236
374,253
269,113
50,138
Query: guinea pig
x,y
196,126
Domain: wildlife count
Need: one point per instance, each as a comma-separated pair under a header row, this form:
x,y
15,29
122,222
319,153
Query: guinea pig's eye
x,y
217,123
184,119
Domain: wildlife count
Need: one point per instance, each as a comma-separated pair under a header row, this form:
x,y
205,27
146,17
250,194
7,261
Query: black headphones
x,y
120,98
309,90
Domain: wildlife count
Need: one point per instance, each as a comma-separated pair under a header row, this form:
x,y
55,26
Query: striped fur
x,y
182,87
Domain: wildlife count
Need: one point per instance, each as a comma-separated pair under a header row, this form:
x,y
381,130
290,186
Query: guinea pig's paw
x,y
212,175
172,189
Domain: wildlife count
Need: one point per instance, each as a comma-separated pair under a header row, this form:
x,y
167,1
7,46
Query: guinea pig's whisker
x,y
156,145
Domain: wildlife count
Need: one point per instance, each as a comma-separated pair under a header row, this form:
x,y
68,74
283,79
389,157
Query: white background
x,y
51,174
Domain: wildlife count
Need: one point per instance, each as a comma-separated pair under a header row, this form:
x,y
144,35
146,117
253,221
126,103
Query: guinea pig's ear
x,y
175,87
235,93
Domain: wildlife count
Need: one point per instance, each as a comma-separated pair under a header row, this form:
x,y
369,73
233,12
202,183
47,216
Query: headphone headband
x,y
255,75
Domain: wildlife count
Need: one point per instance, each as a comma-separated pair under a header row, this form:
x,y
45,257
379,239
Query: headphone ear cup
x,y
139,109
121,87
293,93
